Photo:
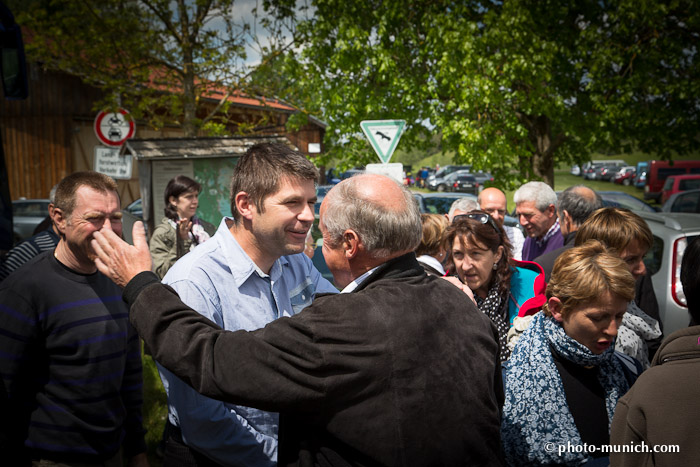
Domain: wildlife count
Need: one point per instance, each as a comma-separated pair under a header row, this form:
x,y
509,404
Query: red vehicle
x,y
625,176
677,183
659,171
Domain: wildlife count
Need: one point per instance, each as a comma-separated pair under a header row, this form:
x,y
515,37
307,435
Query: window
x,y
654,256
687,202
689,184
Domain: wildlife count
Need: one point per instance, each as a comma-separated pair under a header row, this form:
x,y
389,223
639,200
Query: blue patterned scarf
x,y
536,416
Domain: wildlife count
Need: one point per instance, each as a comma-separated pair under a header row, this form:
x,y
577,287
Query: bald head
x,y
493,201
381,211
575,205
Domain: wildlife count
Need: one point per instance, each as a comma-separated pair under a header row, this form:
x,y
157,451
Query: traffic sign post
x,y
113,128
383,135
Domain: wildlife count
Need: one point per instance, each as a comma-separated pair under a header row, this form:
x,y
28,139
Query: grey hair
x,y
463,204
52,194
539,192
578,205
382,231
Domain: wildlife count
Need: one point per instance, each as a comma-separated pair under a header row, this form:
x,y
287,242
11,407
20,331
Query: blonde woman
x,y
431,251
564,379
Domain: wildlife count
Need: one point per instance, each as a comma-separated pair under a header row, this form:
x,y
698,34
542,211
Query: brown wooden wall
x,y
50,134
37,132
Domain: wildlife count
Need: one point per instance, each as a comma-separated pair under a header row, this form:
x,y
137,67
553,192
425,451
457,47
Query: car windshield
x,y
626,201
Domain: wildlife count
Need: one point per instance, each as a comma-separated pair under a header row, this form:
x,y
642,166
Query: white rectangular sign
x,y
394,170
109,162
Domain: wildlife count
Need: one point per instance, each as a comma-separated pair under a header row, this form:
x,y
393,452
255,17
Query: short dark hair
x,y
67,188
690,278
259,171
578,205
176,187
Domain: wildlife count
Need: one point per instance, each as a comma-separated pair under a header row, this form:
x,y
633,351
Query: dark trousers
x,y
178,454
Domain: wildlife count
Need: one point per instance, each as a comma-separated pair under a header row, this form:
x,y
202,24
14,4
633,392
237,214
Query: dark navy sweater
x,y
71,365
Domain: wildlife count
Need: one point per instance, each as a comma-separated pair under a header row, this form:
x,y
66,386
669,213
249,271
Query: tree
x,y
519,84
159,58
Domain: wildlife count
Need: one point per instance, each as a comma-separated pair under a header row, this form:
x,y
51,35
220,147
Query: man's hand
x,y
462,286
117,259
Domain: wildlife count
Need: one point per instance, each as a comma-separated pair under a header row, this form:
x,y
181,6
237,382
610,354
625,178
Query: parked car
x,y
465,183
589,168
26,215
483,177
438,203
640,180
684,201
444,183
607,172
659,171
677,183
445,171
672,233
135,208
576,170
621,199
321,191
624,176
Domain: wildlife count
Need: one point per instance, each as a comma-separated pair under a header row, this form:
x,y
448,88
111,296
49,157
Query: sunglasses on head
x,y
479,217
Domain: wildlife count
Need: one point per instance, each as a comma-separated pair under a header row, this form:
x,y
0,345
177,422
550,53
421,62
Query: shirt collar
x,y
356,283
550,233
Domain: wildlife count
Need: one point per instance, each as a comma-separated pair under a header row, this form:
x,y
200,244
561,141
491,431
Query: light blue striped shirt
x,y
221,282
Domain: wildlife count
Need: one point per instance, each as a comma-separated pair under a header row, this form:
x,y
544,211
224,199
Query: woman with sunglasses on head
x,y
503,288
564,379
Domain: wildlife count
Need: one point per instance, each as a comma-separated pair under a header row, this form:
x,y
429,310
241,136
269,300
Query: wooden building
x,y
51,134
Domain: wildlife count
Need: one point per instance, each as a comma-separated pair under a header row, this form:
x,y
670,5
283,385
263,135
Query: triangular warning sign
x,y
383,135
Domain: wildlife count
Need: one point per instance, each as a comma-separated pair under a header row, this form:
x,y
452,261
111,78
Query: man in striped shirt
x,y
69,359
45,240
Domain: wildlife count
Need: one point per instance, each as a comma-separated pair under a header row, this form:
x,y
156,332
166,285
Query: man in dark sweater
x,y
71,365
398,369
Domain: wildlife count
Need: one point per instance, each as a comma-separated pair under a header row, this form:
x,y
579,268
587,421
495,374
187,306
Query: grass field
x,y
155,408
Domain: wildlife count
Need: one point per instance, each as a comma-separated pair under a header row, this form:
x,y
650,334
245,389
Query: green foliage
x,y
514,87
161,59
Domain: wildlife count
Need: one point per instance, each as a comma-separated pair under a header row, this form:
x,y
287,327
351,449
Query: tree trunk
x,y
189,104
542,157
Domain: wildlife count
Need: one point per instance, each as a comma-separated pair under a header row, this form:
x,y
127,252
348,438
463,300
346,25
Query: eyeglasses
x,y
479,217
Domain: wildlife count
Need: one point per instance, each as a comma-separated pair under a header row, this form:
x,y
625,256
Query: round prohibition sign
x,y
113,128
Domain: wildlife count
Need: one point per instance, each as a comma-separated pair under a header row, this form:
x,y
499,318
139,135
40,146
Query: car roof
x,y
678,221
434,194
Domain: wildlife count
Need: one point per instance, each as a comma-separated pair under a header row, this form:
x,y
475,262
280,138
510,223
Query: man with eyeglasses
x,y
535,206
493,201
71,365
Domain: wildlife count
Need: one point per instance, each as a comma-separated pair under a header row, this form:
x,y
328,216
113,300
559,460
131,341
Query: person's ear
x,y
172,200
59,219
499,254
351,243
243,205
555,307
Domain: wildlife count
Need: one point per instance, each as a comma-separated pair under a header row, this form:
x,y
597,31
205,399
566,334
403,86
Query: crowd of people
x,y
443,340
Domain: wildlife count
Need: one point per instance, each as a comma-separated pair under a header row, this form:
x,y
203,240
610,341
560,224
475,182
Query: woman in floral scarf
x,y
504,289
564,378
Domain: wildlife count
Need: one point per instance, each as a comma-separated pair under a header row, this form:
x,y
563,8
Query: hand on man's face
x,y
117,259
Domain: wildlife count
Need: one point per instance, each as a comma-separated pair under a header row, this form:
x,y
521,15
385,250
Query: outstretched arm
x,y
117,259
